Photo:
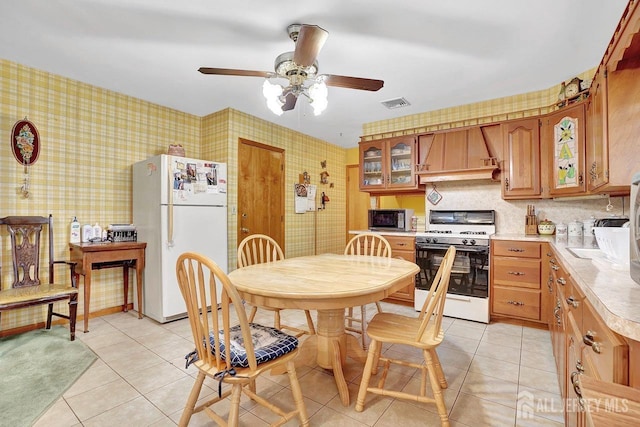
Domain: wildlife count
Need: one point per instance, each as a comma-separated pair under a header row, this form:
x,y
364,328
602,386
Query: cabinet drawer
x,y
518,249
609,353
522,273
522,303
401,243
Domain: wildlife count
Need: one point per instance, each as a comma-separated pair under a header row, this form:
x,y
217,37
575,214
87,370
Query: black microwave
x,y
390,219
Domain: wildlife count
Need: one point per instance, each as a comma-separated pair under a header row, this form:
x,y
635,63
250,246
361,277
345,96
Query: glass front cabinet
x,y
388,165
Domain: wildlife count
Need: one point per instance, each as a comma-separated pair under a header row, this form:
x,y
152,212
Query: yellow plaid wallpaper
x,y
89,139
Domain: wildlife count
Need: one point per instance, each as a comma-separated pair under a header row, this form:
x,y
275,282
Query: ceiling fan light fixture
x,y
318,95
273,94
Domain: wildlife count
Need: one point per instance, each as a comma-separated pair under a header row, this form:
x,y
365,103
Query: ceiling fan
x,y
300,68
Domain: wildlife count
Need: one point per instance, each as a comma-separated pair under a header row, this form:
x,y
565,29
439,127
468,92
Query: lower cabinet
x,y
516,271
403,247
529,282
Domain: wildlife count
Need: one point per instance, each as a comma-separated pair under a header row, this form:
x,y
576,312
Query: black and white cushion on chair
x,y
268,343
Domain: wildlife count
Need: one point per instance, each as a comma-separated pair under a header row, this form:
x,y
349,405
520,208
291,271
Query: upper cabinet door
x,y
388,165
597,152
372,165
564,137
521,168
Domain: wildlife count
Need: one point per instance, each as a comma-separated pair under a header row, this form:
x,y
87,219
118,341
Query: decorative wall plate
x,y
25,142
434,197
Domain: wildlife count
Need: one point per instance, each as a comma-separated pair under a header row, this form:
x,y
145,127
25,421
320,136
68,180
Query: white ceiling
x,y
436,54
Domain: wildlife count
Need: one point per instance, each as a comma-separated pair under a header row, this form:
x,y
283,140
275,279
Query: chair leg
x,y
438,366
435,387
252,315
297,394
234,409
73,310
379,307
312,330
49,314
363,325
276,319
191,401
366,374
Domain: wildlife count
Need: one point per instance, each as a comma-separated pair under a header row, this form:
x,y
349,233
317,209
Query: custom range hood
x,y
460,154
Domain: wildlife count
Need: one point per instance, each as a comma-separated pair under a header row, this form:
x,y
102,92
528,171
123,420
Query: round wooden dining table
x,y
328,283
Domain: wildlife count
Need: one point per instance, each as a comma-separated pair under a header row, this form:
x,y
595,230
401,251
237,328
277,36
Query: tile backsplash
x,y
510,214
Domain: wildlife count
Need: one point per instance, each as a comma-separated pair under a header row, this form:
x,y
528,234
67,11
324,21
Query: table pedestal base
x,y
330,347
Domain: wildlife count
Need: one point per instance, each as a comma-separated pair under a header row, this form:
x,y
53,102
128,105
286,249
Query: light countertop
x,y
609,288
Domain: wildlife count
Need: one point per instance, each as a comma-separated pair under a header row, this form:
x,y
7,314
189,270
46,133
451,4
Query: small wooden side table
x,y
96,256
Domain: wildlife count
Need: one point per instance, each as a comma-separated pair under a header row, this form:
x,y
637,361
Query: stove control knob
x,y
464,241
473,242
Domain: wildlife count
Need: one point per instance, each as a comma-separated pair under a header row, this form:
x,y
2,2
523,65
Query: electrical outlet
x,y
233,210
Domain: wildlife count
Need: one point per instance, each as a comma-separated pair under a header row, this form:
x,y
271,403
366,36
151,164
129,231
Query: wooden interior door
x,y
260,191
357,202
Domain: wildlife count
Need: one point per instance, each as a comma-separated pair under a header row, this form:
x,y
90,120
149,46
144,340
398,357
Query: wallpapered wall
x,y
90,137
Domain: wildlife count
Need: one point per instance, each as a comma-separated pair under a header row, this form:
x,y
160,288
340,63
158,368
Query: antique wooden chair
x,y
27,288
364,244
258,249
424,333
229,350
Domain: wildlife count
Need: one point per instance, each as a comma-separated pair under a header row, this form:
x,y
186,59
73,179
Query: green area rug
x,y
36,367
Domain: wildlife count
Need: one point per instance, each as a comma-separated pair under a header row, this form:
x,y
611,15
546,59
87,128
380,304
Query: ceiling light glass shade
x,y
272,93
318,94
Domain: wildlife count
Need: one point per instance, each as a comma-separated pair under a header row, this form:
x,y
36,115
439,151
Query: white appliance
x,y
179,205
469,231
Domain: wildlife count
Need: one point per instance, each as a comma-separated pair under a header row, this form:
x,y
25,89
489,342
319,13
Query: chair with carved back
x,y
364,244
28,288
230,350
424,333
258,249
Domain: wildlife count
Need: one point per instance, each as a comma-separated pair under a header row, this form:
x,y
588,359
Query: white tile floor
x,y
501,374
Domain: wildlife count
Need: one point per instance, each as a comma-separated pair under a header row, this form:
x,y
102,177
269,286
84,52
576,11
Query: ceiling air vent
x,y
392,104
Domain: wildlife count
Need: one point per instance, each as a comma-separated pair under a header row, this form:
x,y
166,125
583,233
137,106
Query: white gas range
x,y
469,231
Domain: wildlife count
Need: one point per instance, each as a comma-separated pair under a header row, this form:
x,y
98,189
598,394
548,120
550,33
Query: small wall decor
x,y
25,146
25,142
324,177
434,197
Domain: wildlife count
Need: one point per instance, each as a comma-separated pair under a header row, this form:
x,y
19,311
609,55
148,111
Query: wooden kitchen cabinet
x,y
515,280
563,138
521,163
388,165
460,154
612,110
597,160
403,247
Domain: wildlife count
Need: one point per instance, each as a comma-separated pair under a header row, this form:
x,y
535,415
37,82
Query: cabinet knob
x,y
515,273
572,302
515,249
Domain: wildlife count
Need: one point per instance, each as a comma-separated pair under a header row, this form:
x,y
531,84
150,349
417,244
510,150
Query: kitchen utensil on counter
x,y
587,226
614,242
546,229
561,229
575,228
612,221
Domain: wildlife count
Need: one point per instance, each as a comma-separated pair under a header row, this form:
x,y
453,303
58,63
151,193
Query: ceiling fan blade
x,y
310,40
352,82
289,102
231,72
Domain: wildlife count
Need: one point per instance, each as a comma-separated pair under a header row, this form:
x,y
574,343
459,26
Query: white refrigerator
x,y
179,205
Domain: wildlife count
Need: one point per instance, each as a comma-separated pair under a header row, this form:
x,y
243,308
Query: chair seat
x,y
398,329
34,294
268,343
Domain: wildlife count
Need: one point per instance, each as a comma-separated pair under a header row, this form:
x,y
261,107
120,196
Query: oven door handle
x,y
459,248
457,298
